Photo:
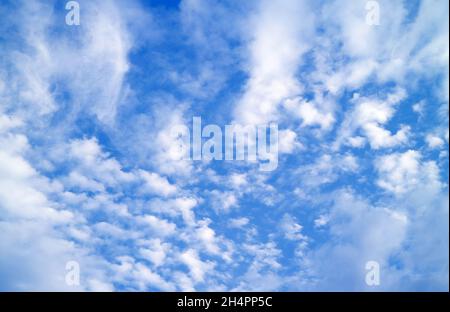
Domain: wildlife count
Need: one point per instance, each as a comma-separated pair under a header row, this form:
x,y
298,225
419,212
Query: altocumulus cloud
x,y
86,168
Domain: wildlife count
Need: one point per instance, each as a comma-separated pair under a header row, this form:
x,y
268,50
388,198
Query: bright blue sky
x,y
86,166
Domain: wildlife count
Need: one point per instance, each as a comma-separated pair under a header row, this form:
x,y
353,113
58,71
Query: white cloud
x,y
223,201
138,276
287,141
359,233
112,231
388,51
155,251
291,229
103,201
156,184
356,141
370,117
402,172
41,265
238,222
207,238
262,273
94,59
185,206
308,113
20,186
277,41
77,180
419,108
321,221
96,285
9,122
265,254
182,206
327,169
238,180
158,227
146,278
93,162
197,268
166,152
434,141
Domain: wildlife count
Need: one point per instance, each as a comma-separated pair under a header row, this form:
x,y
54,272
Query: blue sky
x,y
87,173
